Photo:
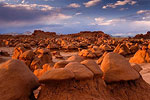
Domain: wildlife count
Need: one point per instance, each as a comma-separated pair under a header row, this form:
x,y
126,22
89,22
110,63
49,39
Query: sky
x,y
115,17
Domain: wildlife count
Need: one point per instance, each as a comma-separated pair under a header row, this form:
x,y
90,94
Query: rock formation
x,y
17,81
141,56
83,81
117,68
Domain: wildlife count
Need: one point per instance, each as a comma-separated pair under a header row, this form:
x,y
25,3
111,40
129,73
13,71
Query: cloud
x,y
104,22
76,14
124,34
73,5
20,16
91,3
125,26
119,3
29,6
143,11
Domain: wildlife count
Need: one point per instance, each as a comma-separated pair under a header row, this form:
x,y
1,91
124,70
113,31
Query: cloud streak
x,y
91,3
119,3
73,5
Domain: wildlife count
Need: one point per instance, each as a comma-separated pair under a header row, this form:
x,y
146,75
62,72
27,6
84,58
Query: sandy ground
x,y
145,73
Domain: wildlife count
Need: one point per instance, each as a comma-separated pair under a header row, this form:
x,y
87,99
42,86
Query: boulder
x,y
56,75
141,56
27,57
122,49
17,52
93,66
45,68
60,64
80,71
116,68
75,58
17,80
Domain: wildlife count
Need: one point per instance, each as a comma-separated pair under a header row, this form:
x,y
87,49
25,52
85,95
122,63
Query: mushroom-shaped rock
x,y
116,68
75,58
36,64
80,71
93,66
122,49
61,64
56,75
43,51
16,81
45,68
27,57
17,52
141,56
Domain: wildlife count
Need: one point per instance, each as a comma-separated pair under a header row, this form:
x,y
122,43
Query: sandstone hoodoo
x,y
80,71
141,56
17,81
122,49
83,81
75,58
33,59
27,57
61,64
116,68
81,66
91,64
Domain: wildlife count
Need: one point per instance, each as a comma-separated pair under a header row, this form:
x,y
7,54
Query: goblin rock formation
x,y
81,66
17,81
84,81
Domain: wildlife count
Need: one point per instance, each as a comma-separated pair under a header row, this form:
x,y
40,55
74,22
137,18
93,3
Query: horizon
x,y
114,17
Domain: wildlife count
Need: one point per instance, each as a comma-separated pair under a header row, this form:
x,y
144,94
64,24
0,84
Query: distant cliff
x,y
40,33
144,36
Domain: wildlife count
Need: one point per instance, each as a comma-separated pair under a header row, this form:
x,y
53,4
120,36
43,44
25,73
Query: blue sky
x,y
115,17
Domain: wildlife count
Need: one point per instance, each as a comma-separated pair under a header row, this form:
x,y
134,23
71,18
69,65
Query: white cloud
x,y
29,6
124,34
119,3
74,5
76,14
91,3
23,1
143,11
102,21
